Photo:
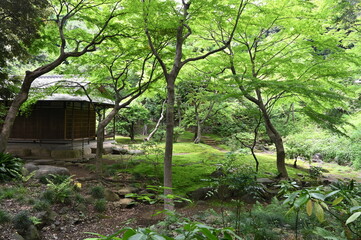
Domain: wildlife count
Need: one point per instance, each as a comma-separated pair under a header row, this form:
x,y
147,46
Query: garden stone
x,y
30,233
200,194
135,152
125,203
317,156
17,236
45,170
118,150
127,190
109,195
30,167
248,198
265,181
218,173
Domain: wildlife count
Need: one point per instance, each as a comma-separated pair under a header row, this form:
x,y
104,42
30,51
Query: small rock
x,y
109,195
265,180
30,233
127,190
30,167
124,203
218,173
300,174
18,237
45,170
201,194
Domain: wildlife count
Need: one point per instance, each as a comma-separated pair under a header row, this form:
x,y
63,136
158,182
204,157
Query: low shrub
x,y
59,193
41,205
4,217
100,205
22,220
10,167
97,192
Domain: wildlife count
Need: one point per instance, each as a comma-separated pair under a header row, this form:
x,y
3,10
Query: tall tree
x,y
172,29
281,52
65,39
20,22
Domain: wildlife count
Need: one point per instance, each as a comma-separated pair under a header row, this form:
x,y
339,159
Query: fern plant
x,y
10,167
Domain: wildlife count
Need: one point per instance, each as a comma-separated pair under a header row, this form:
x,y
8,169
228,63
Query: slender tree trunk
x,y
195,133
168,203
199,132
132,134
276,138
100,137
21,97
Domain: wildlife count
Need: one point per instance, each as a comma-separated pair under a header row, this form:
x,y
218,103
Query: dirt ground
x,y
75,221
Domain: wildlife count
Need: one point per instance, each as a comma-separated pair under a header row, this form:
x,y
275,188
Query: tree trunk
x,y
100,137
132,134
19,99
199,132
276,138
168,203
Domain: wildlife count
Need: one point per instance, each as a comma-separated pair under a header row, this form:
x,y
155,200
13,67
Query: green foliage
x,y
59,193
155,195
187,231
100,205
53,178
178,131
97,192
159,135
10,167
4,217
22,220
13,192
311,141
339,205
41,205
315,172
127,118
20,23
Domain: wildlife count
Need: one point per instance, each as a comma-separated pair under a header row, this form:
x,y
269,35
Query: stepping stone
x,y
126,190
111,196
124,203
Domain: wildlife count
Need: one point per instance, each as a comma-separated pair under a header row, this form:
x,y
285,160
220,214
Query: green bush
x,y
41,205
178,131
97,192
100,205
4,217
53,178
22,220
159,135
59,193
10,167
341,149
13,192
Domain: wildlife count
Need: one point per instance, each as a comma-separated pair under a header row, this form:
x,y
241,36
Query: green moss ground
x,y
193,164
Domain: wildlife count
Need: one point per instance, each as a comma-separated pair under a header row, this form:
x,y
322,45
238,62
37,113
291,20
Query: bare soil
x,y
74,221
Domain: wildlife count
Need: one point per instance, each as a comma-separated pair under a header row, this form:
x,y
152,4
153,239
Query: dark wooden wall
x,y
56,121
